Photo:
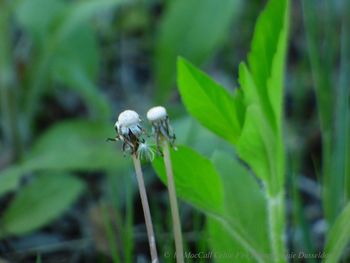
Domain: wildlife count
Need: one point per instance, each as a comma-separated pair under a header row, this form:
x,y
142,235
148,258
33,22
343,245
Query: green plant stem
x,y
173,204
276,219
321,71
128,227
146,210
342,126
112,242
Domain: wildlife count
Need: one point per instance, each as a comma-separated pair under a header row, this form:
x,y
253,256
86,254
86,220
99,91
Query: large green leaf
x,y
37,204
212,105
191,29
245,204
67,40
230,206
195,178
251,117
338,237
71,145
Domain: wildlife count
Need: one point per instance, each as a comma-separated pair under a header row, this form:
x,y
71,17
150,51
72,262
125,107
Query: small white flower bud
x,y
127,119
156,113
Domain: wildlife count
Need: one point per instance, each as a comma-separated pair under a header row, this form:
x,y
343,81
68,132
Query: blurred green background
x,y
68,67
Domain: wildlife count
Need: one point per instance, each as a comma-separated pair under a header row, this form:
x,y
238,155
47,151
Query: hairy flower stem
x,y
276,226
173,203
146,210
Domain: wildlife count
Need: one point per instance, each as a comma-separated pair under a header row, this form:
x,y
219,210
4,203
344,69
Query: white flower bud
x,y
127,119
156,113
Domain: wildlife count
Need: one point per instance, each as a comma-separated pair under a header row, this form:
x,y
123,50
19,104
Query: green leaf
x,y
212,105
198,183
43,200
9,178
80,12
245,204
338,237
225,246
76,145
257,146
75,79
81,49
71,145
251,117
195,178
267,57
37,17
75,65
65,34
260,143
185,31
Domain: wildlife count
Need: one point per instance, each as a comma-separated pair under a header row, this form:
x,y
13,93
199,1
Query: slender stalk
x,y
173,204
321,65
342,126
146,210
112,242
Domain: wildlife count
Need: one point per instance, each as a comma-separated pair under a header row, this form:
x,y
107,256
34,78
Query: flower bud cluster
x,y
130,131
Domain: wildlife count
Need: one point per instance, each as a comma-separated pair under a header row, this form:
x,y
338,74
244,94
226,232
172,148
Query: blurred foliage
x,y
68,66
72,145
39,203
209,23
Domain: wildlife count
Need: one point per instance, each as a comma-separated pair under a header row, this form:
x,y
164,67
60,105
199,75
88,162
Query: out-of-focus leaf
x,y
191,29
38,16
80,12
71,145
75,79
76,145
81,49
9,178
43,200
68,42
75,65
221,197
338,237
245,205
195,178
212,105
